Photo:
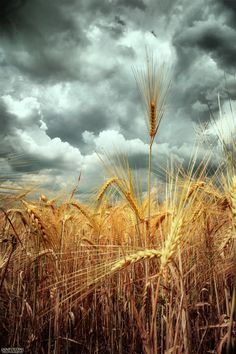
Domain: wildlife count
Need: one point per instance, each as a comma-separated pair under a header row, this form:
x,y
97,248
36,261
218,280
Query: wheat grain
x,y
233,198
86,213
172,242
134,205
35,219
105,187
134,258
153,119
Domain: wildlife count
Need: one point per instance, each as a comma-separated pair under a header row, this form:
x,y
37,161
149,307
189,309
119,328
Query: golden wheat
x,y
105,187
153,119
134,258
171,243
35,219
84,211
134,205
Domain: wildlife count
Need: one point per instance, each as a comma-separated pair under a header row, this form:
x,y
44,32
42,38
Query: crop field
x,y
127,271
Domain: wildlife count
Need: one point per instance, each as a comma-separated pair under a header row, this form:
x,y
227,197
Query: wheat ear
x,y
153,119
85,212
105,187
134,258
134,205
172,242
233,199
35,219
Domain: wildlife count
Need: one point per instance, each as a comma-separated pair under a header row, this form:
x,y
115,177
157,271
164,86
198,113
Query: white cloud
x,y
22,108
38,143
113,141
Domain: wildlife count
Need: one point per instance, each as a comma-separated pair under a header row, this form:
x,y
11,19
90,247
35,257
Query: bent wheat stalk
x,y
134,258
105,186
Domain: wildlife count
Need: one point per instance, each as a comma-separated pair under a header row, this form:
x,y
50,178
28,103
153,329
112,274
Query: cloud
x,y
139,4
67,87
45,32
217,39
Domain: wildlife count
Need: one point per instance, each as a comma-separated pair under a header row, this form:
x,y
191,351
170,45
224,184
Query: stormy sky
x,y
67,89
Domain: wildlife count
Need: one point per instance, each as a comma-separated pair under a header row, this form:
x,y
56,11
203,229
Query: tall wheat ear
x,y
153,83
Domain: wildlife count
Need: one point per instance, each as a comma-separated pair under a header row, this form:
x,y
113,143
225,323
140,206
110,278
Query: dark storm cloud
x,y
8,151
119,21
32,163
8,124
89,46
204,41
107,7
44,33
7,120
218,40
43,18
229,5
9,10
69,126
207,28
133,4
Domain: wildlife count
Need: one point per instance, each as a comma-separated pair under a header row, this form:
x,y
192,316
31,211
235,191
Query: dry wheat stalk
x,y
134,205
126,192
233,198
35,219
134,258
172,242
105,186
85,239
86,213
46,252
195,187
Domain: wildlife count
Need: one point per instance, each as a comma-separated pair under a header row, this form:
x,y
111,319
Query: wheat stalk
x,y
134,258
105,187
233,198
134,205
172,242
86,213
35,219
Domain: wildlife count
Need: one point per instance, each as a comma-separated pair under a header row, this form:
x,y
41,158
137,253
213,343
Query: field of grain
x,y
126,272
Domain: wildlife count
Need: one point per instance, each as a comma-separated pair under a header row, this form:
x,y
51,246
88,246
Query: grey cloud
x,y
69,126
216,39
9,10
119,20
203,35
8,120
45,33
139,4
115,28
229,5
45,64
108,7
88,42
12,144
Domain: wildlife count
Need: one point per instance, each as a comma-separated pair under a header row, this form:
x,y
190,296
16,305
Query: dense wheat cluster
x,y
77,278
139,275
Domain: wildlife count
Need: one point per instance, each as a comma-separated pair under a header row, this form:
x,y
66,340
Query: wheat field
x,y
126,272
